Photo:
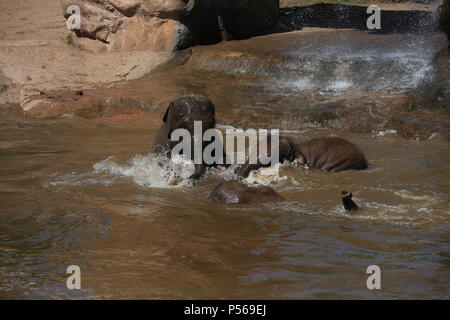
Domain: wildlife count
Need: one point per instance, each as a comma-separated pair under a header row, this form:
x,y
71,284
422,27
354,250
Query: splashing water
x,y
150,170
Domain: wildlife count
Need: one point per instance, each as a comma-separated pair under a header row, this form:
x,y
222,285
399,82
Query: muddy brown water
x,y
133,238
87,193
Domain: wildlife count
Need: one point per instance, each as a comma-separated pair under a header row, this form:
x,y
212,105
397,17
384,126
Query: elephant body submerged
x,y
330,154
233,192
182,113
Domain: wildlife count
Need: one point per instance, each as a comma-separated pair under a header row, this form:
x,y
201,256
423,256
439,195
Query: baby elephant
x,y
331,154
233,192
181,114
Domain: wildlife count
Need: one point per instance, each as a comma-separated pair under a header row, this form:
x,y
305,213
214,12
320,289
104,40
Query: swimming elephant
x,y
233,192
181,114
330,154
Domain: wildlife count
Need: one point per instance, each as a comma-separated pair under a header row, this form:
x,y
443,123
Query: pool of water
x,y
89,194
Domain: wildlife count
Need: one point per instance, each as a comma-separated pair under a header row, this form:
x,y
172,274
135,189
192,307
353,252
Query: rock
x,y
157,34
97,22
126,7
132,24
166,25
3,87
164,9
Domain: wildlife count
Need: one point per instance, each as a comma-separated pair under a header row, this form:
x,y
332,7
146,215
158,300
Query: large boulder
x,y
165,9
132,24
168,25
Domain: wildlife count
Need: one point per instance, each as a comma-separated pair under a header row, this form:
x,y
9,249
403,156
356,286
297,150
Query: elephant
x,y
181,114
329,153
234,192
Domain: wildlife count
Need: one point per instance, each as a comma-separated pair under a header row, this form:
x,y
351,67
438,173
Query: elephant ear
x,y
168,126
294,154
166,115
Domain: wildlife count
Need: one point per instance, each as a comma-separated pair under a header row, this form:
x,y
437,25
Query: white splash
x,y
150,170
266,176
386,132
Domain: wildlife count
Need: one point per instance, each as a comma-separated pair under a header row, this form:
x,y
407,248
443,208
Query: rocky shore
x,y
135,59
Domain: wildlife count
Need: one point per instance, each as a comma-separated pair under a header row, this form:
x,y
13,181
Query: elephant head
x,y
185,111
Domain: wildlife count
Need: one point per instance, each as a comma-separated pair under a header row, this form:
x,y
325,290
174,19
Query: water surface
x,y
87,193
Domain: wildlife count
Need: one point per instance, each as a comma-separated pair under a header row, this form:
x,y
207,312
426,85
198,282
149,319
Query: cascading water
x,y
358,60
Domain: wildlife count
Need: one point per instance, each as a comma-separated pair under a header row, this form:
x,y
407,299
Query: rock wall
x,y
169,25
133,24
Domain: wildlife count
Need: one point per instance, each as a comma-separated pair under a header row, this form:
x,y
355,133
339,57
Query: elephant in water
x,y
330,154
181,114
233,192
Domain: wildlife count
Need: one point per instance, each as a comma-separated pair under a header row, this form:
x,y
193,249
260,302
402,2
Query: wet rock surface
x,y
39,53
329,79
322,78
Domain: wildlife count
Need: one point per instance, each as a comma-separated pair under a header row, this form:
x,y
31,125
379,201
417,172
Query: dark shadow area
x,y
242,24
339,16
241,19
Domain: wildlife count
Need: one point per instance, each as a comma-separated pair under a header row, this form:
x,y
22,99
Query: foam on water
x,y
150,170
153,171
79,179
383,133
266,176
400,70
